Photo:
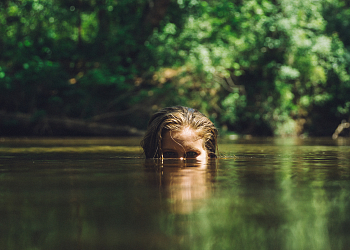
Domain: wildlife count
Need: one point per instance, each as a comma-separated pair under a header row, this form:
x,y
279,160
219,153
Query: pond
x,y
97,193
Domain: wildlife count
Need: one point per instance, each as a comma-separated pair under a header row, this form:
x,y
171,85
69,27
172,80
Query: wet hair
x,y
174,119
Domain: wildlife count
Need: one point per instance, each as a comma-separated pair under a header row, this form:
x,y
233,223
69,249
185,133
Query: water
x,y
101,194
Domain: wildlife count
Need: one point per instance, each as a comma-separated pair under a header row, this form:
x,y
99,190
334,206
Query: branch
x,y
343,125
77,126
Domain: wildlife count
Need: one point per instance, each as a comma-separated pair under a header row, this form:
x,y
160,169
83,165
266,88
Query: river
x,y
100,193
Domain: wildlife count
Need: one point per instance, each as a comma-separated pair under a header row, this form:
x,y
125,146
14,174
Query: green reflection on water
x,y
80,149
270,195
69,145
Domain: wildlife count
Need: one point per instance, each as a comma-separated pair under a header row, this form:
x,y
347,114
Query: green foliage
x,y
254,66
272,63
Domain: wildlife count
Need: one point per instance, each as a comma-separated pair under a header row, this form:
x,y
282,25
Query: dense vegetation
x,y
262,67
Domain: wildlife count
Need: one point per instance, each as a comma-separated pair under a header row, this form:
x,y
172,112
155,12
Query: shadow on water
x,y
102,194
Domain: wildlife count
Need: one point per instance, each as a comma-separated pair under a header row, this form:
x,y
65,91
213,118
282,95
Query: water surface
x,y
77,193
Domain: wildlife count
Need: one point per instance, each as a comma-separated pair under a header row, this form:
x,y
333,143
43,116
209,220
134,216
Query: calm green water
x,y
101,194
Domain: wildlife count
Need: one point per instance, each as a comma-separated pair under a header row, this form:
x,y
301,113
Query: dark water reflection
x,y
101,194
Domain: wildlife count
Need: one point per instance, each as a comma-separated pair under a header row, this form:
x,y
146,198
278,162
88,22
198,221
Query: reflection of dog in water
x,y
185,184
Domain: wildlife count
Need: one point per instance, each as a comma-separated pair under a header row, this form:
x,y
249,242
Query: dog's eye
x,y
170,154
191,154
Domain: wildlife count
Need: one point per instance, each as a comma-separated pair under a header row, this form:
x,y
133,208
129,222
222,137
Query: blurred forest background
x,y
259,67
